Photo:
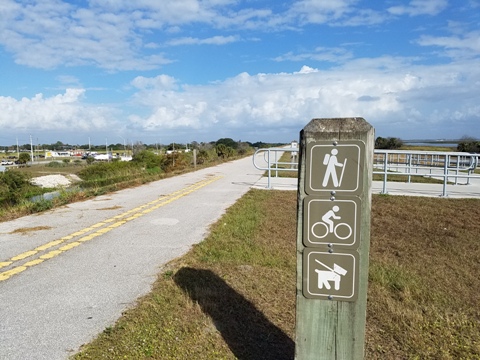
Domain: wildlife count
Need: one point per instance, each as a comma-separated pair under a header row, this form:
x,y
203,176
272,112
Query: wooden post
x,y
333,238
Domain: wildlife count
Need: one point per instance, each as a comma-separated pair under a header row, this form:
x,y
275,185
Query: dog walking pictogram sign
x,y
330,276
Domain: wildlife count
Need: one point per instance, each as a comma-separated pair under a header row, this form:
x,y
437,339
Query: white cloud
x,y
420,7
459,46
164,82
114,34
51,33
215,40
385,91
320,11
63,112
333,55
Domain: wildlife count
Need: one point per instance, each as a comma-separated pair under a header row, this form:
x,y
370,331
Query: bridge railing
x,y
448,167
268,159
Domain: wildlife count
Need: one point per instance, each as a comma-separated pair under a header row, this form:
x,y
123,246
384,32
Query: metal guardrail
x,y
445,166
449,167
271,161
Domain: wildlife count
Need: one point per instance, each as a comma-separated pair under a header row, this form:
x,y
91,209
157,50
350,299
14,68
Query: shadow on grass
x,y
248,333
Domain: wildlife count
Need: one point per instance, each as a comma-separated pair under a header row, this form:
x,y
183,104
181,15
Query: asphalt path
x,y
67,274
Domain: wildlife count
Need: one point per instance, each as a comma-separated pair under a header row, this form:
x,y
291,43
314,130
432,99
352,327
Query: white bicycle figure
x,y
341,230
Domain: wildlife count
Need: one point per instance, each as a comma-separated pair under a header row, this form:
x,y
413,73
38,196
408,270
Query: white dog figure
x,y
335,275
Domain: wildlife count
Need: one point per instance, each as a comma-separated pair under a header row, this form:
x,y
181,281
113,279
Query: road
x,y
67,274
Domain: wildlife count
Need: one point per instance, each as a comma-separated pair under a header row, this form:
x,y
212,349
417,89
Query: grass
x,y
423,179
233,295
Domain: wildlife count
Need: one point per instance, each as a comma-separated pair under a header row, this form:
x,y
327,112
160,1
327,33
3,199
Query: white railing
x,y
270,158
448,167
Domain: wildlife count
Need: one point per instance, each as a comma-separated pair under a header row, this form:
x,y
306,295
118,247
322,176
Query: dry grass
x,y
233,295
423,293
26,231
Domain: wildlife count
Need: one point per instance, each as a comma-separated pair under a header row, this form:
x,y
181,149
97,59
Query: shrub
x,y
390,143
468,144
12,185
147,159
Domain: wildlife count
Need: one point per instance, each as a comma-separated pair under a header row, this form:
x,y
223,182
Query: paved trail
x,y
69,273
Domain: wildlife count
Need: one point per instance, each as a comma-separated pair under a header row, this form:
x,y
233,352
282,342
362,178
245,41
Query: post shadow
x,y
248,333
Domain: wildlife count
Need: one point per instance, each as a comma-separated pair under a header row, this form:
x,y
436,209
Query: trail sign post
x,y
333,238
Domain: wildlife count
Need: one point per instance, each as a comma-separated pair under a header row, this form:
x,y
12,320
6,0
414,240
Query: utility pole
x,y
31,149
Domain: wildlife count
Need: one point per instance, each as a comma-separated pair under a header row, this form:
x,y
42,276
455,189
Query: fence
x,y
448,167
271,161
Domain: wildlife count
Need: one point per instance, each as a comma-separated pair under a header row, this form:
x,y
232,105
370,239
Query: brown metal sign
x,y
334,167
330,276
331,222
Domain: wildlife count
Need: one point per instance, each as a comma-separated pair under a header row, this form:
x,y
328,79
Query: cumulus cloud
x,y
385,92
116,35
420,7
333,55
466,45
60,112
214,40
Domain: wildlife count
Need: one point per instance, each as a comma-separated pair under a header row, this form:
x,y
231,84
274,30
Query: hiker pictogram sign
x,y
331,222
334,166
332,276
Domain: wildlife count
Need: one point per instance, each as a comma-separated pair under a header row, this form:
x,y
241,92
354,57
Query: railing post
x,y
335,169
269,169
445,176
385,172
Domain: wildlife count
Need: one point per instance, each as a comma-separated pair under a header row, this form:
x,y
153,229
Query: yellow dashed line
x,y
33,262
24,255
50,254
49,245
132,215
69,246
5,275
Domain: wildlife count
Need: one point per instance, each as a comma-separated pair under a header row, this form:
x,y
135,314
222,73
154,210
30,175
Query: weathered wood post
x,y
333,238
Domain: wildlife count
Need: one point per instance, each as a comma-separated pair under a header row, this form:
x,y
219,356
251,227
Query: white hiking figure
x,y
331,173
335,275
327,218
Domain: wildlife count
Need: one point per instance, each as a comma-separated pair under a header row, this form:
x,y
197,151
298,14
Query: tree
x,y
227,142
468,144
390,143
24,158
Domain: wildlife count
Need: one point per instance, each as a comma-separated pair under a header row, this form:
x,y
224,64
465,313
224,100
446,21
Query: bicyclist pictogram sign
x,y
334,166
330,276
331,222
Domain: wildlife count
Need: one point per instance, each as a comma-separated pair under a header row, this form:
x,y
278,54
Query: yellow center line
x,y
116,221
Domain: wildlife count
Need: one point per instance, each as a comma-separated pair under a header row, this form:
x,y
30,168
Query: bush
x,y
12,187
390,143
468,144
148,159
103,170
55,164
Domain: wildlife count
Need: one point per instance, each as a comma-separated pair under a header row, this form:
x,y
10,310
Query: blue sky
x,y
252,70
